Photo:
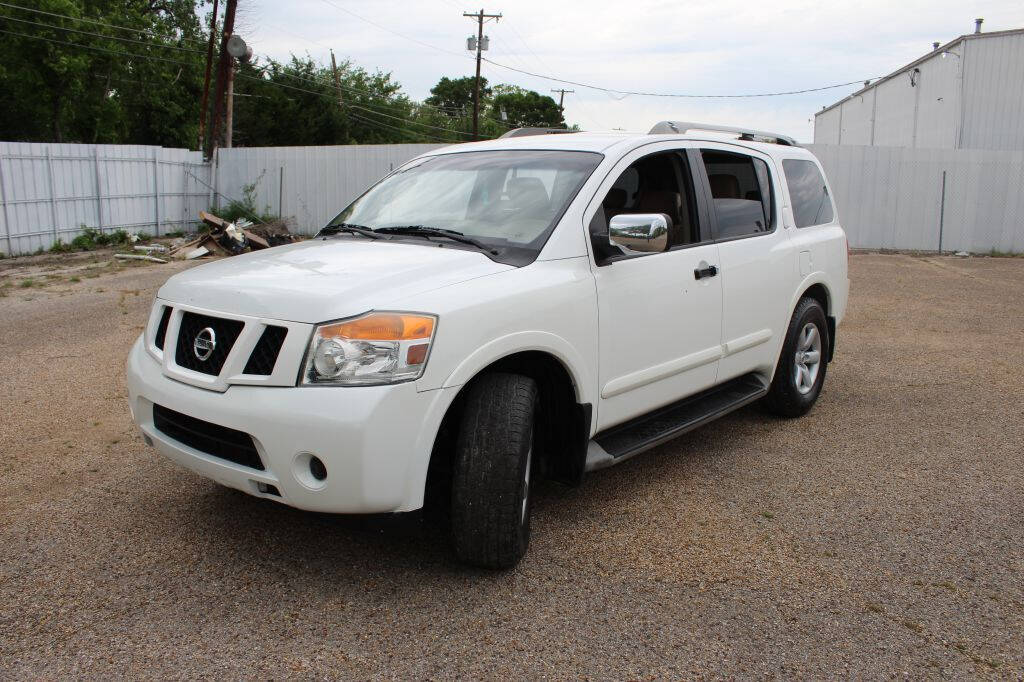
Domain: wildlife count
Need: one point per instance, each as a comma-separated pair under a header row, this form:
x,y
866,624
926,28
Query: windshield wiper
x,y
348,227
425,231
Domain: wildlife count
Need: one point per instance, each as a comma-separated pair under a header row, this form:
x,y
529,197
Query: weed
x,y
75,280
875,608
246,207
27,283
913,625
768,515
996,253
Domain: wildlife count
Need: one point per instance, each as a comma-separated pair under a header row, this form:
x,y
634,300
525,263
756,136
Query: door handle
x,y
709,271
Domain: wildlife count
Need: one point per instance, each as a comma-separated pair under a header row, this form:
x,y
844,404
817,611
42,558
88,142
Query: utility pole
x,y
224,65
337,80
206,79
480,19
561,99
229,114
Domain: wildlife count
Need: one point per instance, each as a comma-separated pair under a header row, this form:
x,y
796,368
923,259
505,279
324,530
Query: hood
x,y
320,280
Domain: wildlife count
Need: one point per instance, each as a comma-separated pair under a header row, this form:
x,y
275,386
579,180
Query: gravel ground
x,y
881,535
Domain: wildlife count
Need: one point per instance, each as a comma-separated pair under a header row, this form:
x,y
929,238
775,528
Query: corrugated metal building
x,y
966,94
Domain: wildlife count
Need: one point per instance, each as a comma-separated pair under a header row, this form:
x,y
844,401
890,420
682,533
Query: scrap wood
x,y
256,240
133,256
186,245
213,221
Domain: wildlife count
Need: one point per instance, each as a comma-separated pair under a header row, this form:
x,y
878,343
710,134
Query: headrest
x,y
616,198
724,186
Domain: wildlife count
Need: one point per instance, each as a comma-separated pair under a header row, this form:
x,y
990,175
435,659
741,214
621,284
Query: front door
x,y
659,313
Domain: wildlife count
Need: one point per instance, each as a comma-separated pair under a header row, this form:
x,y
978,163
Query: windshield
x,y
508,200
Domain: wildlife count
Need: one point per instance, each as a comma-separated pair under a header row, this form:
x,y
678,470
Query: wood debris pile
x,y
230,239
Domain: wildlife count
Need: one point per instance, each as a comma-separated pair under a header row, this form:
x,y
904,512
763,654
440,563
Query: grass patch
x,y
28,283
996,253
91,238
75,280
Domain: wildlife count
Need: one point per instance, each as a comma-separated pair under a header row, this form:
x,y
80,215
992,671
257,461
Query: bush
x,y
246,207
90,239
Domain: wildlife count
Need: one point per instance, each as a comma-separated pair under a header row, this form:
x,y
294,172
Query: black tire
x,y
784,398
489,483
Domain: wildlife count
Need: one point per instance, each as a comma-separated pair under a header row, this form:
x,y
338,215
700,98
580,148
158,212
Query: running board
x,y
621,442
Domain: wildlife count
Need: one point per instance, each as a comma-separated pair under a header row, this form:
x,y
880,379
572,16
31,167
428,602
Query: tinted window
x,y
509,200
807,190
741,190
659,183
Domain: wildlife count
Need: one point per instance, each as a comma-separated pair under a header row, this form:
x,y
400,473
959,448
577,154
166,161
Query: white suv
x,y
537,305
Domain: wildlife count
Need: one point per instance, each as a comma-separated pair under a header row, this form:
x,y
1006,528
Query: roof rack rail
x,y
523,132
683,127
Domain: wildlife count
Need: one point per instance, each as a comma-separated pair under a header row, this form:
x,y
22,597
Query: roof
x,y
920,60
601,142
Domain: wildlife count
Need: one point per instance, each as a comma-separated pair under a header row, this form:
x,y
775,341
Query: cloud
x,y
701,47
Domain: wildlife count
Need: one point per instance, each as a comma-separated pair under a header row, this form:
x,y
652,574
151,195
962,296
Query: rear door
x,y
659,323
757,268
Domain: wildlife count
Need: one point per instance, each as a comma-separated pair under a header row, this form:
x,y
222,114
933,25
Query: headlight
x,y
377,348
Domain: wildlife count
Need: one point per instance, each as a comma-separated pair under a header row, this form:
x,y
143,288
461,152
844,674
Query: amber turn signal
x,y
382,327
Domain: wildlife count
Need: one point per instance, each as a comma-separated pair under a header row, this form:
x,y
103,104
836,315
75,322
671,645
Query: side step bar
x,y
621,442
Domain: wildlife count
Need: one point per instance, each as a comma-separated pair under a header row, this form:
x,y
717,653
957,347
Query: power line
x,y
668,94
93,21
275,83
98,49
100,35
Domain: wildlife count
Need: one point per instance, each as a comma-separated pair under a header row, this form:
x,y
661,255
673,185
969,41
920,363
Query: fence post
x,y
280,191
942,210
53,193
99,188
7,217
156,189
184,194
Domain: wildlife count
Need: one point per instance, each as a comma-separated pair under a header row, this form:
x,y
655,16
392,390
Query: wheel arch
x,y
563,422
815,286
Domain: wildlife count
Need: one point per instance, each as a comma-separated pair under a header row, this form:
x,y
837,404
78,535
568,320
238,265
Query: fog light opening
x,y
310,471
317,468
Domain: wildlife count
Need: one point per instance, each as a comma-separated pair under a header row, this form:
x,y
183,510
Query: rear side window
x,y
741,190
807,190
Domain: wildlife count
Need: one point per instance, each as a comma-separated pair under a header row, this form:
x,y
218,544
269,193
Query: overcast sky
x,y
700,47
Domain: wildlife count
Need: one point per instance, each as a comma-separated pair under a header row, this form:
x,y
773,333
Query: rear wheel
x,y
492,471
800,372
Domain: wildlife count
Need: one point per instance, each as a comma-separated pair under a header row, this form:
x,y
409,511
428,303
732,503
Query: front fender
x,y
517,342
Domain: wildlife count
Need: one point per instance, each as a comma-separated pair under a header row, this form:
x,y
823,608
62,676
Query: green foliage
x,y
244,208
455,95
73,81
90,90
90,239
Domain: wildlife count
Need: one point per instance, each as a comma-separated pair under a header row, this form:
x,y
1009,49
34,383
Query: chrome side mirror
x,y
639,232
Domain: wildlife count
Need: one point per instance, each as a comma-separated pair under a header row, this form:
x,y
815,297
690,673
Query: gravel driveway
x,y
883,534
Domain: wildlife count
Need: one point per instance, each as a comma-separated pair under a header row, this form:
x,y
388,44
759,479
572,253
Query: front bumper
x,y
375,441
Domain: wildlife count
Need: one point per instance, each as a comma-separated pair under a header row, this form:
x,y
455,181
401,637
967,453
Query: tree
x,y
455,95
68,80
521,108
297,104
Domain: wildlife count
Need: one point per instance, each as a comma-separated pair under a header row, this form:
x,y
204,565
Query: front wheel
x,y
493,464
800,372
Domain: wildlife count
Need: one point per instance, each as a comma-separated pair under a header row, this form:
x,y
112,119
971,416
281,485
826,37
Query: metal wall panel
x,y
994,93
51,191
891,197
309,184
826,126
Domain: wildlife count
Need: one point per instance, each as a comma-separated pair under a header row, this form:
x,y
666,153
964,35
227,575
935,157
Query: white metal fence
x,y
928,199
51,191
888,197
309,184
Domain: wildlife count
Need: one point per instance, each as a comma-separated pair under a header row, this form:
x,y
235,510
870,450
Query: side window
x,y
742,193
807,190
659,183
